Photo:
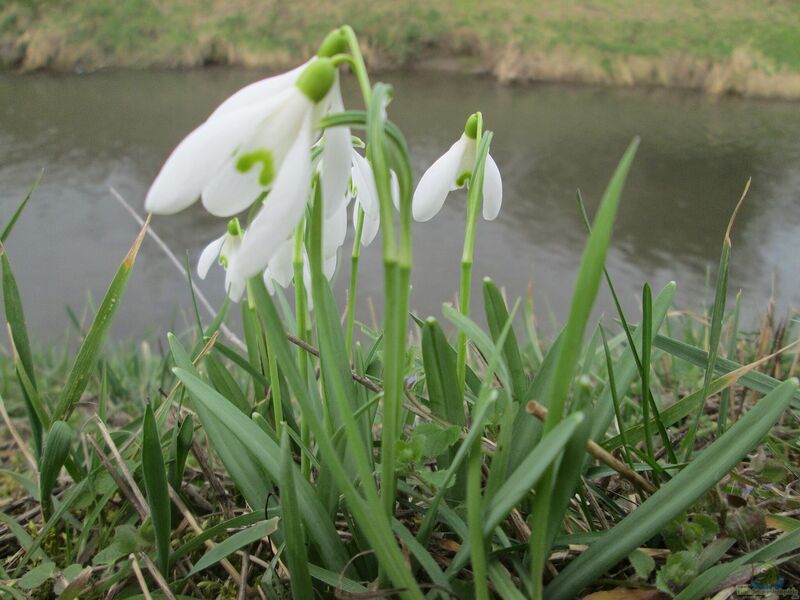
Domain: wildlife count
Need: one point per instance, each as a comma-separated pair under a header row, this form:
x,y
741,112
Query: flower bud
x,y
471,128
317,79
334,43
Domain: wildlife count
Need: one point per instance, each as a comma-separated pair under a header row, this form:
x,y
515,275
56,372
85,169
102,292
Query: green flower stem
x,y
357,63
301,310
394,339
275,388
475,200
360,71
353,289
475,522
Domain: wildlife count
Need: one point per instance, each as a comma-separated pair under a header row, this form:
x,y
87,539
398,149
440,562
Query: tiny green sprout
x,y
234,227
317,78
249,160
471,128
334,43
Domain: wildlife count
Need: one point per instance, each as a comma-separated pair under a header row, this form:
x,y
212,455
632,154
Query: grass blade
x,y
15,217
717,313
266,453
15,316
179,452
754,380
496,317
294,538
56,451
235,542
155,484
90,349
586,287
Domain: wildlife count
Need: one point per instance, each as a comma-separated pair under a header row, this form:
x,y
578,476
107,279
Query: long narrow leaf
x,y
15,316
294,537
155,484
89,352
584,294
56,451
15,217
234,543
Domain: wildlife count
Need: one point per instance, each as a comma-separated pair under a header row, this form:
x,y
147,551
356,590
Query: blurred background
x,y
97,93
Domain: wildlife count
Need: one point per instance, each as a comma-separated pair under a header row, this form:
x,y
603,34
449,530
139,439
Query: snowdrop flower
x,y
452,171
365,193
223,250
245,146
238,153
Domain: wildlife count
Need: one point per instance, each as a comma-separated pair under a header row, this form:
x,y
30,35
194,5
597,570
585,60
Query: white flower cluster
x,y
256,147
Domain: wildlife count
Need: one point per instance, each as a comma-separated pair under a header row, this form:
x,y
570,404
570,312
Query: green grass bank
x,y
719,46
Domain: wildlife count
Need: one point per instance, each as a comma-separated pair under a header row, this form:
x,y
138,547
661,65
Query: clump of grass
x,y
296,458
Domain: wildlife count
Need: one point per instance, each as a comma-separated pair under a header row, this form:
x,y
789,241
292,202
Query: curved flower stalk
x,y
453,170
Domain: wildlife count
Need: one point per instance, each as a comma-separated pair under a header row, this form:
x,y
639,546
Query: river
x,y
115,129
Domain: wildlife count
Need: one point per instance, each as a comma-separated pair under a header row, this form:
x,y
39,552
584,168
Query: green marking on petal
x,y
223,260
263,156
317,79
334,43
463,178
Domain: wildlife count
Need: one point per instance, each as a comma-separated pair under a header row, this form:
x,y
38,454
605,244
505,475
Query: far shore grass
x,y
751,48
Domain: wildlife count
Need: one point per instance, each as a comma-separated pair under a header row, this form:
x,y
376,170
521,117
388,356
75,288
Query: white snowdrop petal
x,y
492,190
369,230
364,181
336,156
395,186
208,256
268,282
307,282
334,231
280,265
197,159
329,266
436,183
230,191
235,285
335,168
259,92
282,210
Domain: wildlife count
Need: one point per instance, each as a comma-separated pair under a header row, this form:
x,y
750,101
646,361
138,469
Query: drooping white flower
x,y
365,193
451,171
242,149
223,250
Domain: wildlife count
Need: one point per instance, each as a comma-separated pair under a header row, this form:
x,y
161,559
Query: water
x,y
116,128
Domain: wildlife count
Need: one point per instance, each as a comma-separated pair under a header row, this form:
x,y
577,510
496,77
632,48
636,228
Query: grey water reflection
x,y
115,129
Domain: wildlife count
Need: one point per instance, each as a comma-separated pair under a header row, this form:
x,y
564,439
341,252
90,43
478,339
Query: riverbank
x,y
719,46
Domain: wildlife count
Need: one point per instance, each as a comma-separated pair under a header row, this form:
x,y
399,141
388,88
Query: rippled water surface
x,y
115,129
